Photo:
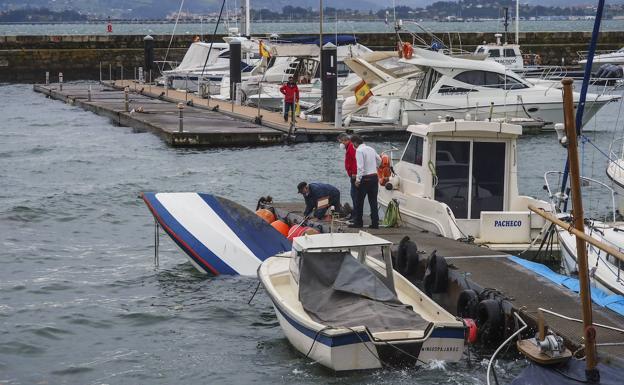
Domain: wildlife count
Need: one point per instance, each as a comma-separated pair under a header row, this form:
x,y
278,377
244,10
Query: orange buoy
x,y
408,50
299,231
267,215
281,226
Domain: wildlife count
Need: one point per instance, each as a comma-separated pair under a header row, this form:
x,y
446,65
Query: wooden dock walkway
x,y
479,268
206,122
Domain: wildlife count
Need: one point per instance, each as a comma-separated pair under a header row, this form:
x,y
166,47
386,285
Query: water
x,y
302,27
80,300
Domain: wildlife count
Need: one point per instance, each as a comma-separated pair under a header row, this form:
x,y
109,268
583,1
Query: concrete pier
x,y
521,289
206,122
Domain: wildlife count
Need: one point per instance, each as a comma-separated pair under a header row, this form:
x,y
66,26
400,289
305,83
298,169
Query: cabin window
x,y
494,53
481,50
414,151
343,69
430,80
470,176
488,177
509,52
489,79
225,54
452,169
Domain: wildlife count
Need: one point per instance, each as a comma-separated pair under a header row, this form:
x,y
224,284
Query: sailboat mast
x,y
517,21
581,250
247,19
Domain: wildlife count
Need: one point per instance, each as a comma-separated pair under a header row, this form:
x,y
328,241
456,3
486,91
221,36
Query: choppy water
x,y
80,300
301,27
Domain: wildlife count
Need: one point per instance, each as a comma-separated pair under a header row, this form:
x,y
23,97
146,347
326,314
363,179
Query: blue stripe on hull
x,y
196,250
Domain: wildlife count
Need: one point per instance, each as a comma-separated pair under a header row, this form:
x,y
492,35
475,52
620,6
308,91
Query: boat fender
x,y
281,226
395,182
408,50
407,257
468,304
267,215
472,332
436,275
490,321
389,186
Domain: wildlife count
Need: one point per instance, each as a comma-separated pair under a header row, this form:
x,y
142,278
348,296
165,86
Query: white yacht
x,y
460,179
459,88
339,302
605,57
615,170
605,270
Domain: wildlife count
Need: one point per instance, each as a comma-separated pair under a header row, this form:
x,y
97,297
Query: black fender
x,y
468,304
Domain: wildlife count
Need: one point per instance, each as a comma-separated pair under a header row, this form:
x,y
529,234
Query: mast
x,y
586,77
517,21
247,19
581,251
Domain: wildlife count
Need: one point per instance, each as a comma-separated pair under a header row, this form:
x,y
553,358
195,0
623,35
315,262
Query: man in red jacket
x,y
291,96
349,162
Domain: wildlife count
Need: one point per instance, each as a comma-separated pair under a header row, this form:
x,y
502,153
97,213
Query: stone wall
x,y
27,58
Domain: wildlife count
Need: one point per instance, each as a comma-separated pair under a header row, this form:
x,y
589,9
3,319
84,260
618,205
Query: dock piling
x,y
126,100
110,72
329,79
89,93
235,67
47,82
180,118
60,81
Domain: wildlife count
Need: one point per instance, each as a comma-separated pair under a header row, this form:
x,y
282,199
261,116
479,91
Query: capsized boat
x,y
459,179
218,236
339,302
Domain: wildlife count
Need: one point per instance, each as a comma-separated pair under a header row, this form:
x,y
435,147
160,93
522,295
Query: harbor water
x,y
330,26
80,299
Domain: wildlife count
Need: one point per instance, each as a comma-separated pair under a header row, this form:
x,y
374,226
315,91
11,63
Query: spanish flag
x,y
264,52
362,93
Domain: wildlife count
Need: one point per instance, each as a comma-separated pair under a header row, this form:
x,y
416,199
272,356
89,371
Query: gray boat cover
x,y
337,290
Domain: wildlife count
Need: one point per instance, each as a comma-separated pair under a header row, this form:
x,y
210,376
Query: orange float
x,y
408,50
266,214
298,231
281,226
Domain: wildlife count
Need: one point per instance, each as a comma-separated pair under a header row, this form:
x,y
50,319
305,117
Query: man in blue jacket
x,y
318,198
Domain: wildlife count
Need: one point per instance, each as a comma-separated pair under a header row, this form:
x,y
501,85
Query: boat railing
x,y
616,145
557,197
583,54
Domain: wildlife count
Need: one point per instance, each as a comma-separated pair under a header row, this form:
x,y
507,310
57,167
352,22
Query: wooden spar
x,y
577,210
566,226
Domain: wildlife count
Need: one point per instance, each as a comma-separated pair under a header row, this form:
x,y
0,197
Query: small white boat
x,y
605,270
459,179
340,303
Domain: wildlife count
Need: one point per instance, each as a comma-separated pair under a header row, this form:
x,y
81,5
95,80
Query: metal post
x,y
156,244
122,77
235,66
89,93
180,118
329,79
100,72
110,72
581,252
126,100
259,93
232,94
60,81
47,78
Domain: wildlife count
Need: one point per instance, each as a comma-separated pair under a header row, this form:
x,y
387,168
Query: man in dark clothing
x,y
350,164
319,193
291,96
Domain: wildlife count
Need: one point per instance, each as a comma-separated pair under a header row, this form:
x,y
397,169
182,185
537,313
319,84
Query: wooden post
x,y
60,81
577,211
47,78
180,118
126,100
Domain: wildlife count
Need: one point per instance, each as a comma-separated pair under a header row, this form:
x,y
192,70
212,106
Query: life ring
x,y
436,275
468,304
490,321
384,172
408,50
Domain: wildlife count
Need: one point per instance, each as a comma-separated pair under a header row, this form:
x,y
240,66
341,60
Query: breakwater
x,y
85,57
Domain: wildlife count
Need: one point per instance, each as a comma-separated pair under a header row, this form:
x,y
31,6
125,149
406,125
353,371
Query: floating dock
x,y
205,122
522,289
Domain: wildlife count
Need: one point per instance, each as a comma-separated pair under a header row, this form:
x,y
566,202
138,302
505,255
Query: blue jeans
x,y
289,107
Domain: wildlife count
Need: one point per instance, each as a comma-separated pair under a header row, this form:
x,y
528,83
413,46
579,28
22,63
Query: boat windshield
x,y
490,79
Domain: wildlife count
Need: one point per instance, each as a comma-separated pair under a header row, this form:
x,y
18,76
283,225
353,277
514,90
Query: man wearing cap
x,y
318,198
291,96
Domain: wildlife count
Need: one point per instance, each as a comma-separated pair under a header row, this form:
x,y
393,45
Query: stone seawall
x,y
27,58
